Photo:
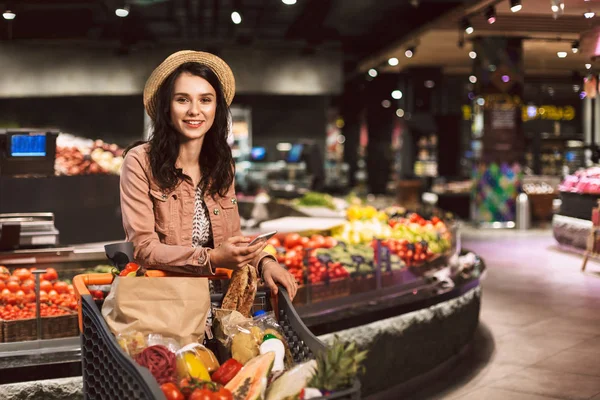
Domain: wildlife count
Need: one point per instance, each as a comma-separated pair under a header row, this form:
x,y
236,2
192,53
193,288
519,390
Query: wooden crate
x,y
52,328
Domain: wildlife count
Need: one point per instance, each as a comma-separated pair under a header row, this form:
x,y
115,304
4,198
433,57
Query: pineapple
x,y
337,366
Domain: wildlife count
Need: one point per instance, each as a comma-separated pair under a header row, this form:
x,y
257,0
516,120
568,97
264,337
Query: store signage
x,y
529,112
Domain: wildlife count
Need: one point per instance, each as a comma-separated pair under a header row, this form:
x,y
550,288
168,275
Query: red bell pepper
x,y
227,371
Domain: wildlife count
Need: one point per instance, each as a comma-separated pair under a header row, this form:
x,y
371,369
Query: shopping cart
x,y
109,373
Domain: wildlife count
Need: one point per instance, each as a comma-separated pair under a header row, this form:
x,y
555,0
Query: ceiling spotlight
x,y
386,104
400,113
396,94
372,72
515,5
393,61
473,79
289,2
236,17
122,11
588,66
429,84
554,8
589,14
410,52
575,47
473,55
9,15
467,26
490,14
561,54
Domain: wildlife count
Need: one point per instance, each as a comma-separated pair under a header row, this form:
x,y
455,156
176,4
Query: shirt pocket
x,y
162,211
229,210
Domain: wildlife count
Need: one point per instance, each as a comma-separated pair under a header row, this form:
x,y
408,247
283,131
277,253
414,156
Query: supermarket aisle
x,y
539,336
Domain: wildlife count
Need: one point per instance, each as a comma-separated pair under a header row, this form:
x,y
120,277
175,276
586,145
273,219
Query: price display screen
x,y
28,145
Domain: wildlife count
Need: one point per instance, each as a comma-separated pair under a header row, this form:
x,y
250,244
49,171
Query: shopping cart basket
x,y
109,373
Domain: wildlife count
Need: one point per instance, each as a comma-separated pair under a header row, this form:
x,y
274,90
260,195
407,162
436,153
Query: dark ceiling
x,y
360,27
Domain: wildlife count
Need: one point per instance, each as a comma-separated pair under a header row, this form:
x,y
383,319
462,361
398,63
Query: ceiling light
x,y
562,5
575,47
505,78
9,15
473,55
515,5
236,17
372,72
122,11
429,84
589,14
490,14
473,79
576,88
400,113
467,26
410,52
396,94
554,8
386,104
393,61
561,54
289,2
588,66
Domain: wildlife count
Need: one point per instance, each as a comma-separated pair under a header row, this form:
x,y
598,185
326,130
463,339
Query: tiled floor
x,y
539,336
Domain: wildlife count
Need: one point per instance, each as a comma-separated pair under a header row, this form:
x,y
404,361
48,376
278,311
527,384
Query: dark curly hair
x,y
216,161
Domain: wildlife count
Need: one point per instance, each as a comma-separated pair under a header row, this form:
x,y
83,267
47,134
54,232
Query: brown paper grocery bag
x,y
175,307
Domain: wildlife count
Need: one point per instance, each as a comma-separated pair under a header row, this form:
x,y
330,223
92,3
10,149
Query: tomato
x,y
23,274
223,394
292,240
13,279
50,275
330,242
4,273
13,286
43,296
30,297
304,241
46,286
171,391
2,285
28,286
71,289
53,294
61,287
274,242
202,394
318,240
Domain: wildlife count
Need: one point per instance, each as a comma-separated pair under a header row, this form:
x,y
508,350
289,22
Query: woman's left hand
x,y
274,274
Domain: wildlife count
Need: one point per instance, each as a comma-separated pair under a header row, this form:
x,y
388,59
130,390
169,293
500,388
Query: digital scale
x,y
27,152
26,230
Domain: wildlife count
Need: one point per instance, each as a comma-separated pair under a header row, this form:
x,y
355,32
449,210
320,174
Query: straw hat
x,y
172,62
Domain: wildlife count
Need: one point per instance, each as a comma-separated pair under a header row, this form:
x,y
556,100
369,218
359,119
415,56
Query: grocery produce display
x,y
350,251
583,181
314,199
76,156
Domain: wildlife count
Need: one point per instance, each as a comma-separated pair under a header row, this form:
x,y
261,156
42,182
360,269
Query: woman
x,y
177,191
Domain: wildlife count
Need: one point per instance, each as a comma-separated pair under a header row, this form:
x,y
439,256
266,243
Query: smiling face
x,y
193,106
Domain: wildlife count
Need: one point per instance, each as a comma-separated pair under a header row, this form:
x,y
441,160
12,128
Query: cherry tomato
x,y
171,391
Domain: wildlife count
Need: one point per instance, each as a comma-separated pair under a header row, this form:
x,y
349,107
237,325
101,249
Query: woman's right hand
x,y
234,253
